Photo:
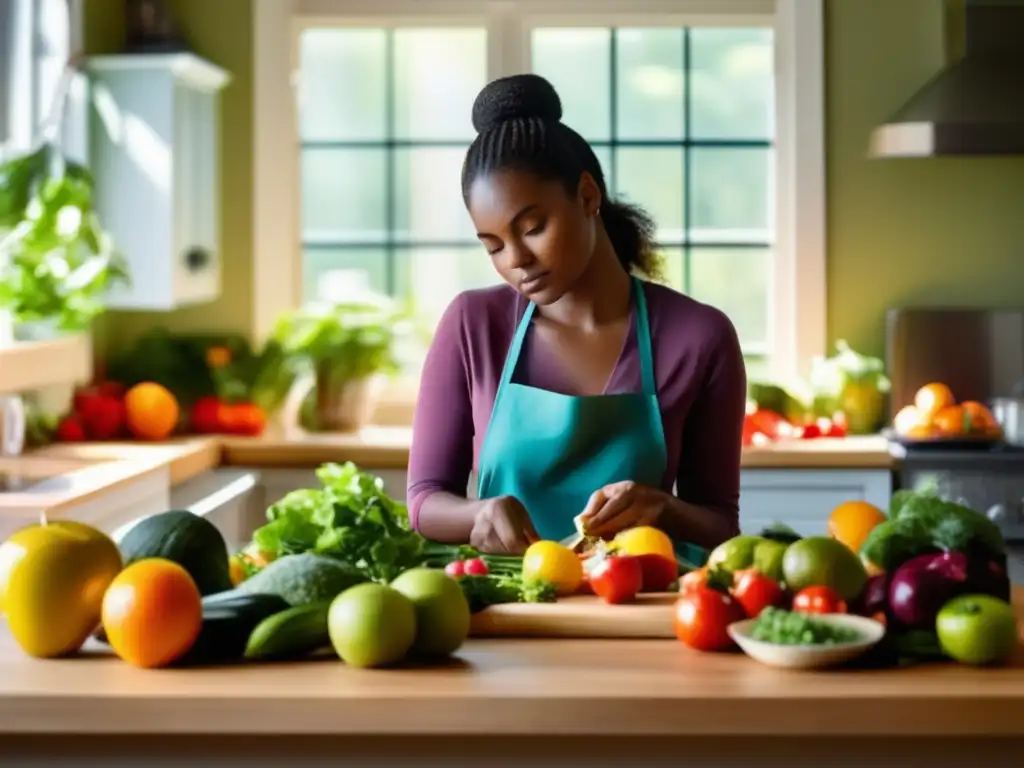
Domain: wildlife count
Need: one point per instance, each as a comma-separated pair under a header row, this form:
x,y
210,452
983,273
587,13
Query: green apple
x,y
977,629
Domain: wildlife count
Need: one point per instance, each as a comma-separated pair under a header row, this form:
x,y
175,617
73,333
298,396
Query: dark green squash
x,y
182,537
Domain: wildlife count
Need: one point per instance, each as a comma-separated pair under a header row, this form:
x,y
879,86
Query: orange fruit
x,y
852,521
979,418
932,398
152,613
952,420
151,411
908,419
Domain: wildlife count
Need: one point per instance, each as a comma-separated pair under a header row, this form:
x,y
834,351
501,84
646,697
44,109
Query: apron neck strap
x,y
643,333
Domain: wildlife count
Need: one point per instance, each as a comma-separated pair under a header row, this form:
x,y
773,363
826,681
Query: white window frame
x,y
797,302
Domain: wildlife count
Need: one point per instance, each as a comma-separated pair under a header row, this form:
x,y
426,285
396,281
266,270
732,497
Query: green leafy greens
x,y
350,517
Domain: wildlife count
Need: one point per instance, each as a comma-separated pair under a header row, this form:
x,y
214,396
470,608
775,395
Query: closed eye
x,y
538,229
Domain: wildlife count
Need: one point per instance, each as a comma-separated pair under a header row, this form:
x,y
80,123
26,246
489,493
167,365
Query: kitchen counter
x,y
77,472
388,448
584,691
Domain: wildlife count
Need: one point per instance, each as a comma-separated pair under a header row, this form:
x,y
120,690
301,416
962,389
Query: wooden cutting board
x,y
580,617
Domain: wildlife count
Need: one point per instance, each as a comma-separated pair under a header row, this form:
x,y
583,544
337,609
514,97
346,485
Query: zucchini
x,y
228,619
290,634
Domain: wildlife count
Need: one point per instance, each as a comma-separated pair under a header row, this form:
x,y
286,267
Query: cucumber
x,y
290,634
228,619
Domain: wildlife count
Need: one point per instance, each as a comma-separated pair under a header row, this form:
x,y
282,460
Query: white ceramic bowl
x,y
810,656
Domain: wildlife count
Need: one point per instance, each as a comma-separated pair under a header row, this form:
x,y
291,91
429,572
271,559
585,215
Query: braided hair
x,y
518,124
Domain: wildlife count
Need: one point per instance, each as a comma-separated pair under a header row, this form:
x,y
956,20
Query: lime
x,y
821,561
442,611
736,554
371,625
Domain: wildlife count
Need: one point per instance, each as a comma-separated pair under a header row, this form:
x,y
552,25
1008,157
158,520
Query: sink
x,y
27,474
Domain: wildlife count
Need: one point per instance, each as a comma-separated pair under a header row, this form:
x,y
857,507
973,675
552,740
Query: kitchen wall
x,y
935,231
221,31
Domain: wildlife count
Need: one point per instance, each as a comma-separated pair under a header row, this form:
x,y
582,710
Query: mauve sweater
x,y
698,368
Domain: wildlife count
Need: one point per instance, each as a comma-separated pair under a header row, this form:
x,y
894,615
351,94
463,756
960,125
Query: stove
x,y
989,479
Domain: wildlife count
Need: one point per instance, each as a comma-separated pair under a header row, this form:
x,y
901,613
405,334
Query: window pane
x,y
432,277
604,157
328,271
343,90
673,262
732,193
736,280
428,195
343,196
649,81
732,84
438,73
757,368
578,63
653,178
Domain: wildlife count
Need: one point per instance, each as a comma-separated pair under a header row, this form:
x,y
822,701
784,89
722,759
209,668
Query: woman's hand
x,y
502,526
623,505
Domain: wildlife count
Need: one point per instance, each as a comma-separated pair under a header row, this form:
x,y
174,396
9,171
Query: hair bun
x,y
518,96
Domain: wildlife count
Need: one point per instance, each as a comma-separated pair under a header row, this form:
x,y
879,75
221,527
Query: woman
x,y
576,387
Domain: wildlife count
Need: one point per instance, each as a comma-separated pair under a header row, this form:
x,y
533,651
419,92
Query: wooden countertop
x,y
75,472
71,473
543,687
388,448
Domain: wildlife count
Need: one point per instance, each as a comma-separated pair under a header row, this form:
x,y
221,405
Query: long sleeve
x,y
441,456
709,463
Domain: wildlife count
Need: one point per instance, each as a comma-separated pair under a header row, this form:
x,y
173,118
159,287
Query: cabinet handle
x,y
997,513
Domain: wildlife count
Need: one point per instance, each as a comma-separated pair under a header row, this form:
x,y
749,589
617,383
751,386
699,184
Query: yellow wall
x,y
929,231
221,31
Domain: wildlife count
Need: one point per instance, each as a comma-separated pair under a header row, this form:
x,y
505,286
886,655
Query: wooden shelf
x,y
30,365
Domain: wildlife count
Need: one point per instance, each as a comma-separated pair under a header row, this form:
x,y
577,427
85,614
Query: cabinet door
x,y
804,499
196,194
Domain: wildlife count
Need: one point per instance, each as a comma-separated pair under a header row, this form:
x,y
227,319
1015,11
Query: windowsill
x,y
398,403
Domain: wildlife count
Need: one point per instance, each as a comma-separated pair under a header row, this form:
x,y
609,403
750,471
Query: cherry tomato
x,y
819,600
475,567
702,617
755,592
617,578
455,569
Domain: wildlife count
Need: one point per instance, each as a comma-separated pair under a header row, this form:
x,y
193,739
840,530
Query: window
x,y
707,112
36,40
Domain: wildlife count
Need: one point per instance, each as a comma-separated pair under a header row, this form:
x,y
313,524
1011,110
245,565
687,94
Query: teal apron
x,y
552,451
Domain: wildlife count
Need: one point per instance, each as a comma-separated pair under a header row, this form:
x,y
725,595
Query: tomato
x,y
206,415
755,592
455,569
617,578
702,617
694,579
819,600
475,567
246,419
656,553
105,418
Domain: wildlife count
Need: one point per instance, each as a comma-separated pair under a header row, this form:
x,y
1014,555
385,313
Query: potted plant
x,y
344,352
56,262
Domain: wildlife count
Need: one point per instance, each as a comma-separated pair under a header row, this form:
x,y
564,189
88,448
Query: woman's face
x,y
539,238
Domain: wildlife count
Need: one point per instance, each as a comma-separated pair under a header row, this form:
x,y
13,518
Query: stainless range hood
x,y
975,106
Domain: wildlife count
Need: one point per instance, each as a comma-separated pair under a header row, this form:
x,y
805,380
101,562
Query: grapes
x,y
781,627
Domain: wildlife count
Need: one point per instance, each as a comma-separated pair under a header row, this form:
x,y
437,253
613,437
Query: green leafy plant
x,y
56,262
335,345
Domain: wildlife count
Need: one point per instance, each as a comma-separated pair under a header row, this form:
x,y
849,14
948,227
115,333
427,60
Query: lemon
x,y
645,540
554,563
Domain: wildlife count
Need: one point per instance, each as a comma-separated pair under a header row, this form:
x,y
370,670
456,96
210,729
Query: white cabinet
x,y
804,499
154,150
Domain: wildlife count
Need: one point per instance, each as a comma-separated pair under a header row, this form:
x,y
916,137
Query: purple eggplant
x,y
923,584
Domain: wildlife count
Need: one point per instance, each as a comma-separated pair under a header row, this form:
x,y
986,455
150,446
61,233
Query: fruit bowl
x,y
810,656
